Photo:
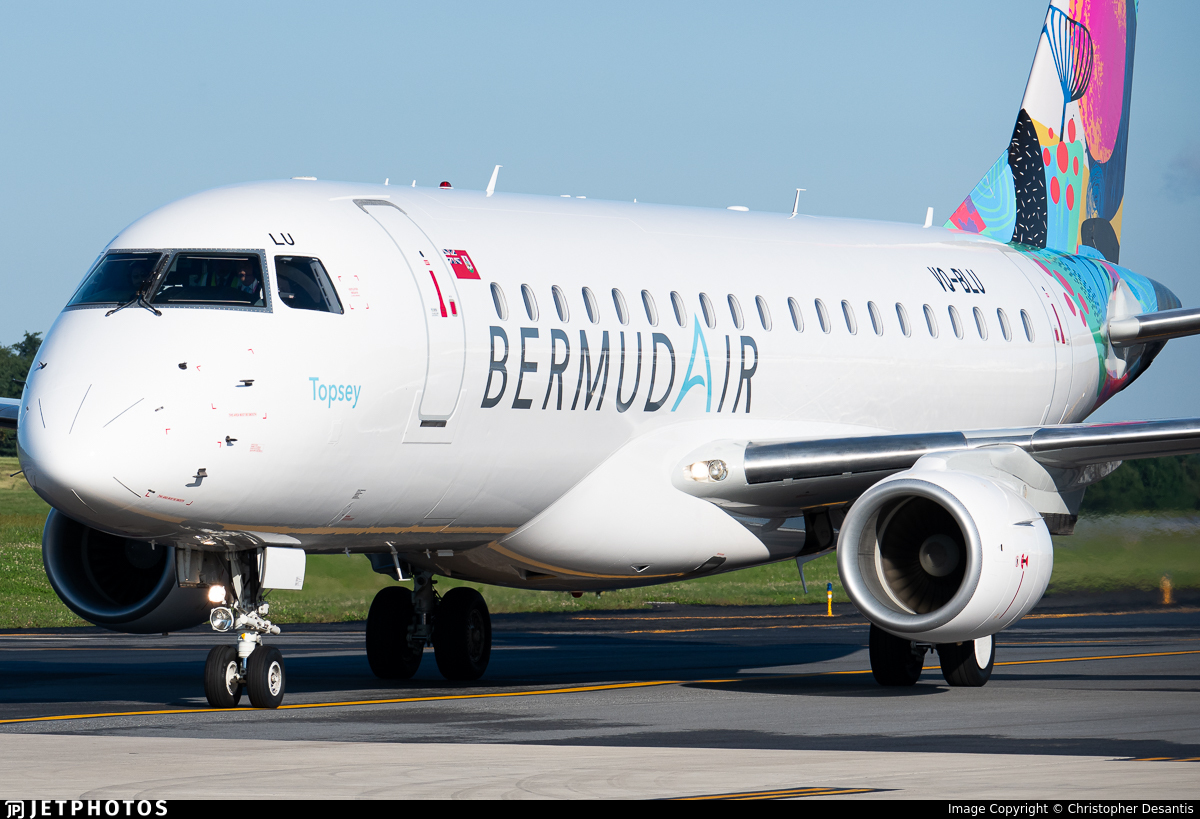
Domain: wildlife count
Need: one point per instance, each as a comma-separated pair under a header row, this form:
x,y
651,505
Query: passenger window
x,y
589,304
848,313
931,321
876,319
902,315
680,310
710,316
118,278
822,316
955,322
980,324
619,303
1004,329
531,308
499,302
735,310
220,280
764,312
1028,324
560,303
797,318
303,284
651,311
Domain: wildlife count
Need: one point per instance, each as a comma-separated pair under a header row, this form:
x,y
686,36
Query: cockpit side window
x,y
118,278
304,284
213,279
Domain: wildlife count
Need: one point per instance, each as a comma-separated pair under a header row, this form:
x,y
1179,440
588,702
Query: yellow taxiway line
x,y
547,691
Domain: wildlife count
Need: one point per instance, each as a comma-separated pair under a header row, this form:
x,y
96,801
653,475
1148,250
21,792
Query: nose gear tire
x,y
462,635
389,653
265,678
893,661
961,661
221,686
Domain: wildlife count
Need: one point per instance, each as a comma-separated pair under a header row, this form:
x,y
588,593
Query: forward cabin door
x,y
443,322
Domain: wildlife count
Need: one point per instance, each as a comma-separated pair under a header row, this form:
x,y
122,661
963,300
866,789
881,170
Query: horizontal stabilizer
x,y
1154,326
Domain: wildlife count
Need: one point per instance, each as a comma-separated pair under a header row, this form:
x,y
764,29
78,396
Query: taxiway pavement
x,y
677,702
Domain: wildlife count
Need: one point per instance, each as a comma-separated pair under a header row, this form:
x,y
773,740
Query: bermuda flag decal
x,y
461,264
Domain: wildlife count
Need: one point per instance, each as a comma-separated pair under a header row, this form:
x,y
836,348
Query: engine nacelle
x,y
118,583
942,556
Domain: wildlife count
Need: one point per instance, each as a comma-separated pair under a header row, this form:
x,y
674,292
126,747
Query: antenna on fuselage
x,y
491,188
796,204
414,183
385,180
929,217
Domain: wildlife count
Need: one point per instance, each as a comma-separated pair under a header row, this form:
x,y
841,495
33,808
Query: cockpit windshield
x,y
215,279
118,278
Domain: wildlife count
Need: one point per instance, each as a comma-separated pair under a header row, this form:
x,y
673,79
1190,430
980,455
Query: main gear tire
x,y
462,635
389,652
893,660
968,664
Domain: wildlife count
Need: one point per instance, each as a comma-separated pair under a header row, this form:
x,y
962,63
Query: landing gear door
x,y
443,321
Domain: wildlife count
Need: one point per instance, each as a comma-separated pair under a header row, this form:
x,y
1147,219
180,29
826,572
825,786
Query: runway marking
x,y
786,793
1160,759
546,691
1172,610
1102,657
723,628
714,617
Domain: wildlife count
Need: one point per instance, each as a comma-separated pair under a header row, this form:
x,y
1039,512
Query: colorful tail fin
x,y
1059,190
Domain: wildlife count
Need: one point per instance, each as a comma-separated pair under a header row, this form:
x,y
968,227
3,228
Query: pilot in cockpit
x,y
245,279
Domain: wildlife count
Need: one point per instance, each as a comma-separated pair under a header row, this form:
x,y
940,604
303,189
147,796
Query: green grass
x,y
1105,554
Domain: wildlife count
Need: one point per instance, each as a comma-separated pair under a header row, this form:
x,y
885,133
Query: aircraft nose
x,y
74,436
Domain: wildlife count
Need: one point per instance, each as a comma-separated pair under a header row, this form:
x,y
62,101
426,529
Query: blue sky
x,y
878,109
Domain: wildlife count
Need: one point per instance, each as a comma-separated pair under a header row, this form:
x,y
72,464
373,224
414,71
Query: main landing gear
x,y
251,666
896,661
401,623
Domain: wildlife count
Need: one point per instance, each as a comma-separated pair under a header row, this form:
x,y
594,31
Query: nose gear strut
x,y
252,666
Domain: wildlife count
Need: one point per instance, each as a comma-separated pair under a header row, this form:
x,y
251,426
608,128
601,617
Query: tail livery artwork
x,y
415,375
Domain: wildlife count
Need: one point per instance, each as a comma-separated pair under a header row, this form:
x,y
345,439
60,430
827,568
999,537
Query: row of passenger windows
x,y
592,307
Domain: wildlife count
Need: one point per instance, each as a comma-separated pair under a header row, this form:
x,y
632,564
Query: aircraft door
x,y
442,310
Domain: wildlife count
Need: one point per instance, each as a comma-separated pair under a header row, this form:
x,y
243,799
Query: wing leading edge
x,y
784,478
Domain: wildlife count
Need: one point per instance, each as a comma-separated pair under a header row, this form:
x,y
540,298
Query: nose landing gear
x,y
252,666
400,624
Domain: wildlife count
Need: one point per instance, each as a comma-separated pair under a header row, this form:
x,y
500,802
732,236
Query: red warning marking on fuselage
x,y
437,287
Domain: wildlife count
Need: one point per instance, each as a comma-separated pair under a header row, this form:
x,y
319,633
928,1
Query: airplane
x,y
578,395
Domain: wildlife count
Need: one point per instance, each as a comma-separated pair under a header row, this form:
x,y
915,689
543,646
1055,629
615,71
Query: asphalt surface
x,y
1112,684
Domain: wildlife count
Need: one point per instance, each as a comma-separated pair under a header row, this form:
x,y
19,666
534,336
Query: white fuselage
x,y
429,442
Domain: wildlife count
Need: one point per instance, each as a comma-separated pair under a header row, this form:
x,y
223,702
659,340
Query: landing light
x,y
216,594
221,619
715,470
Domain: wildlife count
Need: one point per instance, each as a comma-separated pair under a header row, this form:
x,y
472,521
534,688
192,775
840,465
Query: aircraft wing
x,y
783,478
9,407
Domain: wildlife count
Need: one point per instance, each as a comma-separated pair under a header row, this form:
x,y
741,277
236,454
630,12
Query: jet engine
x,y
116,582
937,555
